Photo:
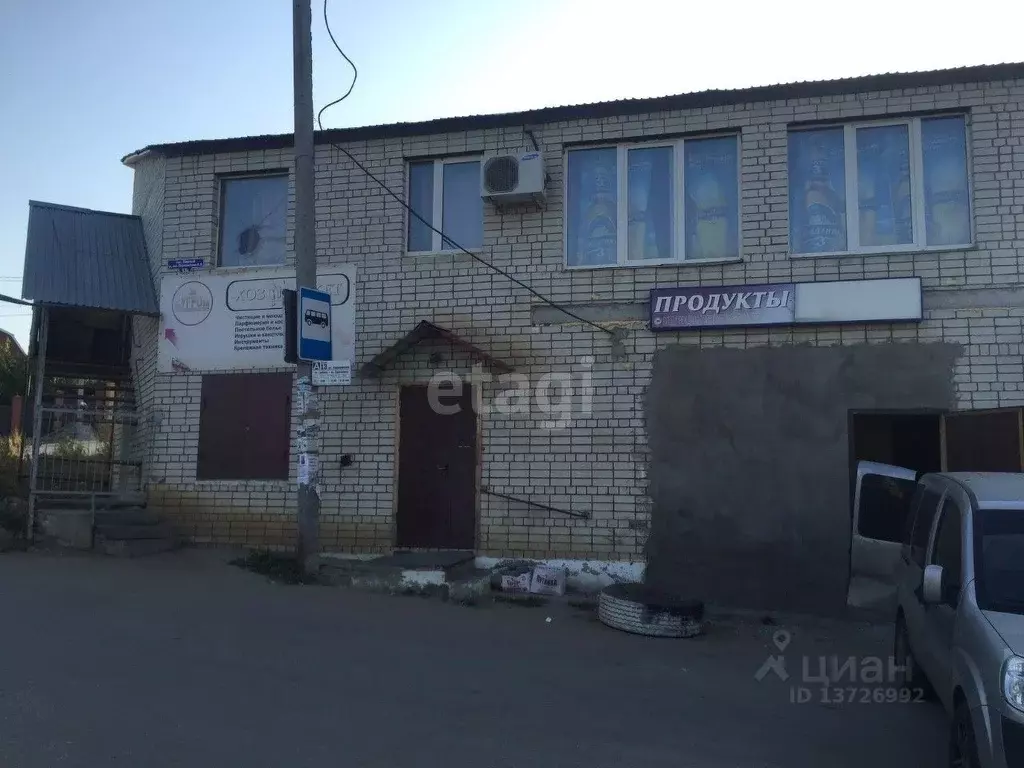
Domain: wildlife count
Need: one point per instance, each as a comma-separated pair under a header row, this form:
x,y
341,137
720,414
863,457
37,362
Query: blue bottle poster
x,y
817,191
593,220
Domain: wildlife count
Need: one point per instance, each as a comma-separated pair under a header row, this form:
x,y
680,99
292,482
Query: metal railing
x,y
89,439
547,507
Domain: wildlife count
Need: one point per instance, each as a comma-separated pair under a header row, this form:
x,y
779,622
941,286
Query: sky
x,y
84,82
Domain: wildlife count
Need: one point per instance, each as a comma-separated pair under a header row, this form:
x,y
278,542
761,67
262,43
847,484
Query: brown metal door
x,y
244,426
982,441
436,472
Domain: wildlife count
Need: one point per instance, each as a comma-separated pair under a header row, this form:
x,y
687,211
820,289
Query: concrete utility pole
x,y
305,277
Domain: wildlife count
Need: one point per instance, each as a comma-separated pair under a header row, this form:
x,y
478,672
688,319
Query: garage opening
x,y
906,439
912,440
912,443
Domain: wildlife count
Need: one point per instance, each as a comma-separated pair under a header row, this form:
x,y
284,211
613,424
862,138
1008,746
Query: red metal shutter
x,y
220,415
245,427
268,426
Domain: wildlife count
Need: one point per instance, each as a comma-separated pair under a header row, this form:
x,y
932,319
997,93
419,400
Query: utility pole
x,y
305,277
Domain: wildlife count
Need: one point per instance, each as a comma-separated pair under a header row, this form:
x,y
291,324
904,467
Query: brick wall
x,y
148,203
597,464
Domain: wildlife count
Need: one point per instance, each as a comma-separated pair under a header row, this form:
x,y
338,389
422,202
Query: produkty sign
x,y
707,307
234,321
840,301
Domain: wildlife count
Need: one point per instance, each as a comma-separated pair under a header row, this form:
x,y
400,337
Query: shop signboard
x,y
840,301
721,306
234,320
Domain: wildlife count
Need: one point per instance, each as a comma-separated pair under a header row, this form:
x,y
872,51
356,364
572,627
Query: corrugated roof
x,y
711,98
83,258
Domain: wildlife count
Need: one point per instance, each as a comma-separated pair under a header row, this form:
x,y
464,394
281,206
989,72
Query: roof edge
x,y
76,209
693,100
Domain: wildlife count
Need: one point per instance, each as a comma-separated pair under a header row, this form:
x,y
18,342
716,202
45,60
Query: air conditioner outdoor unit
x,y
512,178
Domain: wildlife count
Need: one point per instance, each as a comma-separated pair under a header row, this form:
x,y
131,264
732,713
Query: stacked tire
x,y
642,610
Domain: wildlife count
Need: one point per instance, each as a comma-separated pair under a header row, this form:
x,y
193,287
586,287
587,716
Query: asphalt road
x,y
181,660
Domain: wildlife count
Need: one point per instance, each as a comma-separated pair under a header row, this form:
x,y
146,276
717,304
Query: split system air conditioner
x,y
507,179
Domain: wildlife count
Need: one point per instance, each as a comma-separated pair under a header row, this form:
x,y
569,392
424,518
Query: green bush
x,y
69,448
13,507
11,447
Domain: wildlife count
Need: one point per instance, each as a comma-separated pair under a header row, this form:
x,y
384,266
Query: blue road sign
x,y
314,318
186,264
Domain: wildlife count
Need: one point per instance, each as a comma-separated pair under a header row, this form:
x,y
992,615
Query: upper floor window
x,y
653,203
447,194
253,220
879,187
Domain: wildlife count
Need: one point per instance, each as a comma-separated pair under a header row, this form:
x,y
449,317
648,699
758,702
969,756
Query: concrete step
x,y
453,578
66,527
134,530
124,500
399,562
135,547
127,516
346,573
118,501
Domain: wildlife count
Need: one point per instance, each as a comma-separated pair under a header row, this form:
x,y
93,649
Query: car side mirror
x,y
931,584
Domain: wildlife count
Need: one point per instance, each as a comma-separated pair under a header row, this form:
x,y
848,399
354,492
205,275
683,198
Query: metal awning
x,y
77,257
427,331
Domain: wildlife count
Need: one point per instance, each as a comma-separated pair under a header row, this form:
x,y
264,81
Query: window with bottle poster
x,y
879,187
653,203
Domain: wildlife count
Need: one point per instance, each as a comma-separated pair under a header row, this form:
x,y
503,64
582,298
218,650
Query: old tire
x,y
641,610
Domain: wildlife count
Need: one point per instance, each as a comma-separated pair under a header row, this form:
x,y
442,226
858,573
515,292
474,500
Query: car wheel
x,y
913,678
963,749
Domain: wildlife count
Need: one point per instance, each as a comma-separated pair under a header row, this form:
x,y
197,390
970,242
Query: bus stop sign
x,y
314,320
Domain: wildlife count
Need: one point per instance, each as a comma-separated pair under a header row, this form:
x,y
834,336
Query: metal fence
x,y
88,439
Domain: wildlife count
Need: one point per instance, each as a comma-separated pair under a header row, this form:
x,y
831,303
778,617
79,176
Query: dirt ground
x,y
183,660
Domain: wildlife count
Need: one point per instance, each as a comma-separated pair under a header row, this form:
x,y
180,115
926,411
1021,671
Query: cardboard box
x,y
547,580
518,582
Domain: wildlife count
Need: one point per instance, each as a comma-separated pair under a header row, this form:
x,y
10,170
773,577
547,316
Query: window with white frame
x,y
447,194
879,186
653,203
253,220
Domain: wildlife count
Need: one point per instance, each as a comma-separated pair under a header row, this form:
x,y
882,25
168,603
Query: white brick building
x,y
966,254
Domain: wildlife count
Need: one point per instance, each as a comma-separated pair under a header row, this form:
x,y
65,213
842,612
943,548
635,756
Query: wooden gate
x,y
983,441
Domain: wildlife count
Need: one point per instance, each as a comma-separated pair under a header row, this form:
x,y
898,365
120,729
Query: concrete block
x,y
70,528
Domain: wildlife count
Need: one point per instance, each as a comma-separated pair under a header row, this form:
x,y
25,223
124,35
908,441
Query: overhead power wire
x,y
355,72
444,238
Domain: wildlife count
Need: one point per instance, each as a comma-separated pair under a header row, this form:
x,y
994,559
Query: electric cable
x,y
444,238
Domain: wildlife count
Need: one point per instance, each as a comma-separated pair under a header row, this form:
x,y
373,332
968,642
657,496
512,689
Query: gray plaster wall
x,y
749,473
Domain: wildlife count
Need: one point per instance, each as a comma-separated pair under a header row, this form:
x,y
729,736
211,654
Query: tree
x,y
13,371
